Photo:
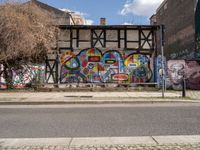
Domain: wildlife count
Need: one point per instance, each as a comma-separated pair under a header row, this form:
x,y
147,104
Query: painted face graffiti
x,y
176,73
93,66
113,67
138,67
189,69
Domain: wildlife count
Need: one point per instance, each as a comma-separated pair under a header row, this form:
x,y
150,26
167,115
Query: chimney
x,y
103,21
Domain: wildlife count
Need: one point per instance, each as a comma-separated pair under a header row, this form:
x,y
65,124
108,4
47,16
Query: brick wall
x,y
178,18
197,25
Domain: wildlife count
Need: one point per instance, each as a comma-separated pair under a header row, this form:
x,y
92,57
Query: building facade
x,y
59,17
179,18
197,27
119,54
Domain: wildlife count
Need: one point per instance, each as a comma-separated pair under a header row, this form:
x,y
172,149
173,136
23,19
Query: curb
x,y
152,140
96,102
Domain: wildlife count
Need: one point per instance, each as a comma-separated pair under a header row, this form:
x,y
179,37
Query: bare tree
x,y
26,35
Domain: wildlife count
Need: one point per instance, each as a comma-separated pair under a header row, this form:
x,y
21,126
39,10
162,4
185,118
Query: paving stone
x,y
112,147
193,94
177,139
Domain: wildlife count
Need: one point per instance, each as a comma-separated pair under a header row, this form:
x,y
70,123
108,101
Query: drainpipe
x,y
195,35
162,54
195,5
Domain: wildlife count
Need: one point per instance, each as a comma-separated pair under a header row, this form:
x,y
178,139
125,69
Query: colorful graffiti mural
x,y
193,74
24,76
93,66
2,79
175,72
158,69
176,69
28,74
111,66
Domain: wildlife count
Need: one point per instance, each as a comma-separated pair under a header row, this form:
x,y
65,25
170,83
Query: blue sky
x,y
115,11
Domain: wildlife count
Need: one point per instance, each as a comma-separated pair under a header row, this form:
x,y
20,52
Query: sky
x,y
117,12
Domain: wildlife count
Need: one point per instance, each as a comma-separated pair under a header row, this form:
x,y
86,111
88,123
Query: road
x,y
99,120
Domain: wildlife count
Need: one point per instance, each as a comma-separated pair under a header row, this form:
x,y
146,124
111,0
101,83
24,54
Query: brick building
x,y
60,17
197,19
179,18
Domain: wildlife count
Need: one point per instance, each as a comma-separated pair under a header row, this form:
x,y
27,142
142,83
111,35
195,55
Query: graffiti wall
x,y
193,74
2,80
175,71
158,69
95,66
24,76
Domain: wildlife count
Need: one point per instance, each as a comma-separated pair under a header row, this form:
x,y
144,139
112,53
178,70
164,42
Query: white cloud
x,y
74,12
89,22
127,23
81,14
140,7
65,9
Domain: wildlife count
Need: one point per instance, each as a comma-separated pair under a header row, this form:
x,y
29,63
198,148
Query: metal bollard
x,y
183,87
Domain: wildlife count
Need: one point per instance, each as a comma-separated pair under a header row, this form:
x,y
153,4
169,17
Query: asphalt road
x,y
99,120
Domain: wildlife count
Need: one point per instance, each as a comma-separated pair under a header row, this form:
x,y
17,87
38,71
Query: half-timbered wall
x,y
139,39
104,54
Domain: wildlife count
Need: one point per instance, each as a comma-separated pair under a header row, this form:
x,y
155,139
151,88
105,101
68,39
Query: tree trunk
x,y
8,76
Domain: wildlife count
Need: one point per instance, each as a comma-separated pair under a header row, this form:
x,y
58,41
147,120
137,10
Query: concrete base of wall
x,y
96,87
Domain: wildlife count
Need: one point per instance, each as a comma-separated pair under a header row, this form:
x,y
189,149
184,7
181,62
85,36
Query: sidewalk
x,y
94,97
105,143
193,94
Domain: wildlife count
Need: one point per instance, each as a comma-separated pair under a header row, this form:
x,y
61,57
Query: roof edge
x,y
161,5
